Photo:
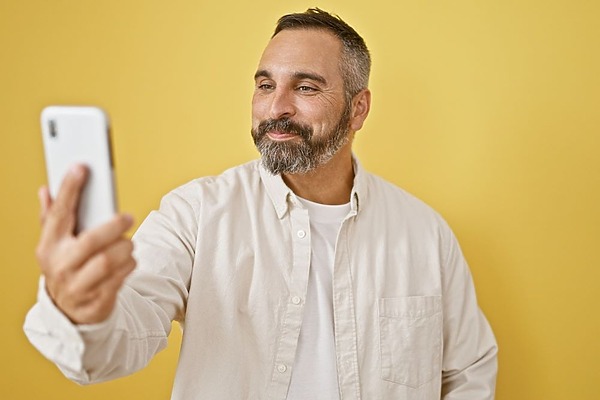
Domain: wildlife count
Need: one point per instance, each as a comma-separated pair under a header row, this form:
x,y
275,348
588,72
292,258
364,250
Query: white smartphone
x,y
77,134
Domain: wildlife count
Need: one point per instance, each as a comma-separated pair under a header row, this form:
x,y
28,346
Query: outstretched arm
x,y
94,319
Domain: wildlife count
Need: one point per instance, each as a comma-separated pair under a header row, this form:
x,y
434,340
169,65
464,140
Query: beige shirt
x,y
228,257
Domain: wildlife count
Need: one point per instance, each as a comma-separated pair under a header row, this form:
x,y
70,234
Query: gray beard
x,y
305,155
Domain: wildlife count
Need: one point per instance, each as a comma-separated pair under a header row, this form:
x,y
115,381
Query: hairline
x,y
345,54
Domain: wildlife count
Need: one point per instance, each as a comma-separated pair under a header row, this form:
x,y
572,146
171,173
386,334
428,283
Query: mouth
x,y
280,136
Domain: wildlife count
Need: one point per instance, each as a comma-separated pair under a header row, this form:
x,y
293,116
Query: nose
x,y
282,104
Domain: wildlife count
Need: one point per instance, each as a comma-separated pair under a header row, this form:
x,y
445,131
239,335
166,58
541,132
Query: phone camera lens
x,y
53,132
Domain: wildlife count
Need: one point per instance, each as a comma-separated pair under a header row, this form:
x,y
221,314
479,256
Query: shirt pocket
x,y
410,339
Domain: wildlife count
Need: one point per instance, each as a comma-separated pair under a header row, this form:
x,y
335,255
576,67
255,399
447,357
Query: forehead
x,y
306,50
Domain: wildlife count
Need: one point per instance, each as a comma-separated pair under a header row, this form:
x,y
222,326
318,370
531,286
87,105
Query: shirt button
x,y
296,300
281,368
301,233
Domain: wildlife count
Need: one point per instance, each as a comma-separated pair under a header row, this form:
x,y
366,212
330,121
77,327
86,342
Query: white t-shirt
x,y
314,374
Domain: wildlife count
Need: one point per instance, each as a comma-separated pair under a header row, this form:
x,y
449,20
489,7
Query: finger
x,y
97,310
85,246
101,300
104,266
61,260
62,214
45,202
121,274
94,240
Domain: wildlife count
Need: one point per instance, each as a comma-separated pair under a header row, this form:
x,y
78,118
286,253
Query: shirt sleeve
x,y
154,295
470,350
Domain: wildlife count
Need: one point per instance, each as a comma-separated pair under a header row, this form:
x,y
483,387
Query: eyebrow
x,y
262,73
298,75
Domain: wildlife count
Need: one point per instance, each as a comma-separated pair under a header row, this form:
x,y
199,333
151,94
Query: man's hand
x,y
84,272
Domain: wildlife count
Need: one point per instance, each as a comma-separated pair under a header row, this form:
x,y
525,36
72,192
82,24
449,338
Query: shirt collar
x,y
282,196
276,189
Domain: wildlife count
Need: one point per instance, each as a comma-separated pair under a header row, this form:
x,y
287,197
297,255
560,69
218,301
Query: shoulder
x,y
228,184
381,191
388,199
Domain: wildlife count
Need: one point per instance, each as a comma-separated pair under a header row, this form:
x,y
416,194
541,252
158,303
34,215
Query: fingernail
x,y
128,218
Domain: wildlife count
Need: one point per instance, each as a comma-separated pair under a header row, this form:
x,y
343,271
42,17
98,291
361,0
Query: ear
x,y
361,104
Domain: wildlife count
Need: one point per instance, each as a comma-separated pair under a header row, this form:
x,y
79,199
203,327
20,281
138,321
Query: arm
x,y
105,346
470,349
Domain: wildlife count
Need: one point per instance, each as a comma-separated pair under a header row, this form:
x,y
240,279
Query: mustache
x,y
284,125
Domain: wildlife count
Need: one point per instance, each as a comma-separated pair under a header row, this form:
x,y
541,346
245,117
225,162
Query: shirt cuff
x,y
56,337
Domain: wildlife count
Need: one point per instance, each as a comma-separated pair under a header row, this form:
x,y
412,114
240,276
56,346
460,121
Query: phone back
x,y
81,135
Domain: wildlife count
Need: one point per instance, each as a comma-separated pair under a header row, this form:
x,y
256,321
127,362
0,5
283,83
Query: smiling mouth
x,y
281,136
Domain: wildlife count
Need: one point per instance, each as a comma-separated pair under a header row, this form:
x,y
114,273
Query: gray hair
x,y
355,63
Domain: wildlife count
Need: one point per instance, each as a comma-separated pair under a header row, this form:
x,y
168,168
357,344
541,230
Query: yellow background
x,y
488,111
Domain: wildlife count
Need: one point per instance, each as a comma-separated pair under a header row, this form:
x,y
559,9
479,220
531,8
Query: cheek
x,y
259,104
256,111
324,113
323,123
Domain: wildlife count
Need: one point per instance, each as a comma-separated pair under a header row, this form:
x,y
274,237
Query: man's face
x,y
299,114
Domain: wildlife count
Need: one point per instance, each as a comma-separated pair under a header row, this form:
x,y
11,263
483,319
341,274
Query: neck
x,y
330,183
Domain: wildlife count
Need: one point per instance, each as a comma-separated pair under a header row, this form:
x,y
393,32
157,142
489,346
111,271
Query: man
x,y
297,277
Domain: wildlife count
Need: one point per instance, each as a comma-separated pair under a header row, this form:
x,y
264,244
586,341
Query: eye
x,y
264,86
306,89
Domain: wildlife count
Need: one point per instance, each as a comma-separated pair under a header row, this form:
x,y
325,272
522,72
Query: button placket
x,y
292,319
